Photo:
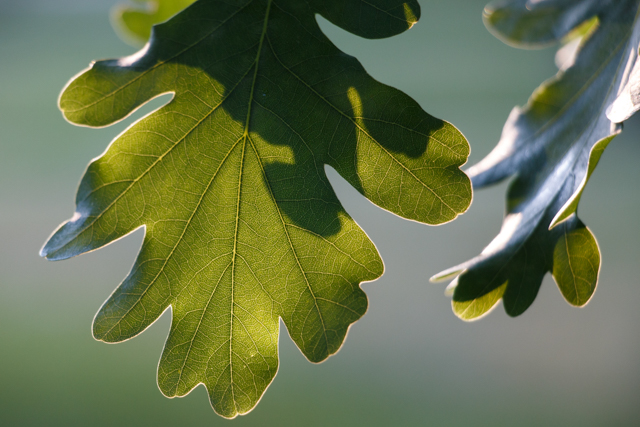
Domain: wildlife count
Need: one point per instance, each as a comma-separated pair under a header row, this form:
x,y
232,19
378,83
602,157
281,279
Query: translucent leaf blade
x,y
242,227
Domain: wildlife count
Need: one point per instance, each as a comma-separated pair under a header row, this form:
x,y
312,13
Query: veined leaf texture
x,y
242,227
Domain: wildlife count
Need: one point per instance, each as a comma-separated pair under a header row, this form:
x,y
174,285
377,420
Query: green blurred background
x,y
409,361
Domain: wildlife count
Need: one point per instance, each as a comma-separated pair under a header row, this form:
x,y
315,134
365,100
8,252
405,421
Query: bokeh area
x,y
409,361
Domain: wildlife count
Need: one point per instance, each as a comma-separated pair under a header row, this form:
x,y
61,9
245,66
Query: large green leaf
x,y
552,146
242,227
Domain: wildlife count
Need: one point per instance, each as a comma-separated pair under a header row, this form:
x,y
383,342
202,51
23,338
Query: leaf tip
x,y
412,15
43,252
451,288
560,217
49,250
445,275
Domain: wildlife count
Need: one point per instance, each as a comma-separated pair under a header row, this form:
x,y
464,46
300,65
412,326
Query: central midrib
x,y
235,239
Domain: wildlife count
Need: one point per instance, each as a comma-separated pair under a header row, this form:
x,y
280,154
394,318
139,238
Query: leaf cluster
x,y
552,146
242,227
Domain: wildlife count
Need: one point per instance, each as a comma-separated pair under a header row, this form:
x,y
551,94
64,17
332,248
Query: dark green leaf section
x,y
134,23
515,275
242,227
552,147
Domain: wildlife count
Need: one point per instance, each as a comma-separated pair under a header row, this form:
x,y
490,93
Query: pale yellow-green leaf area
x,y
134,23
476,308
576,264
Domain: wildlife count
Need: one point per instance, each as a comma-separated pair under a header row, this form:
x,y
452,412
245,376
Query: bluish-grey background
x,y
409,361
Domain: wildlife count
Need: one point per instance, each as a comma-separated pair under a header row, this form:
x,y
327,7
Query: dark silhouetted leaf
x,y
552,147
242,227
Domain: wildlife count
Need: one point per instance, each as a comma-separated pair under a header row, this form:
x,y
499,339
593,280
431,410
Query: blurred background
x,y
409,361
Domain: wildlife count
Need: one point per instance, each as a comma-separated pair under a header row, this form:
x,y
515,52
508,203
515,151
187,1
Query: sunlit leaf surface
x,y
242,227
551,147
